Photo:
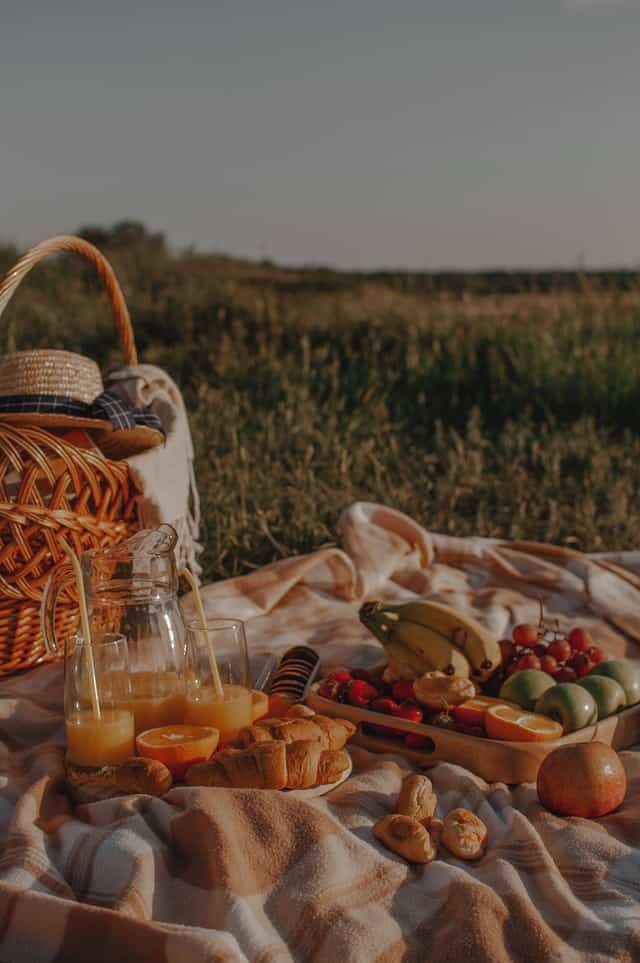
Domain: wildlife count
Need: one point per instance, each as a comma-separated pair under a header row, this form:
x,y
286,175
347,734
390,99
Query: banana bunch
x,y
420,636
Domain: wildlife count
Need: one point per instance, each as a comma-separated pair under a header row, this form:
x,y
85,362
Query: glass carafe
x,y
132,590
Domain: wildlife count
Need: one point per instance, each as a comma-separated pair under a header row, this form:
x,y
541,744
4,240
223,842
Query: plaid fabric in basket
x,y
106,407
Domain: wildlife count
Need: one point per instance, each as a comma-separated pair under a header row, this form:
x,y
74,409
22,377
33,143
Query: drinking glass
x,y
109,738
230,711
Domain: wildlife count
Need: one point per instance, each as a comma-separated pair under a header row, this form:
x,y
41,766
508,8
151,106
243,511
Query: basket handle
x,y
68,242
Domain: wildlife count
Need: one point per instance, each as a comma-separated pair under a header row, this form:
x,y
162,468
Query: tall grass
x,y
510,415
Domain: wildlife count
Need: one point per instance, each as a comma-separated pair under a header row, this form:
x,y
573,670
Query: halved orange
x,y
178,747
259,704
516,725
472,712
278,704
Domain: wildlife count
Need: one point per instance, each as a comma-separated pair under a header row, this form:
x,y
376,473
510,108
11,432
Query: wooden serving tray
x,y
494,760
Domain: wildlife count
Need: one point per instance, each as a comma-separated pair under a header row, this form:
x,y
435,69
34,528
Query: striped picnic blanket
x,y
241,875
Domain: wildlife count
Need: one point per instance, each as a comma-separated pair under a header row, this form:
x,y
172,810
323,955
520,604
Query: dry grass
x,y
514,415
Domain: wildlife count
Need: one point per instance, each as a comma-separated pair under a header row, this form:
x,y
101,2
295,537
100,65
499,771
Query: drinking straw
x,y
84,621
215,675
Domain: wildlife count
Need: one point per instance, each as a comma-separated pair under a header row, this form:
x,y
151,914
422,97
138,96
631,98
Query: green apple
x,y
609,695
627,674
525,687
570,704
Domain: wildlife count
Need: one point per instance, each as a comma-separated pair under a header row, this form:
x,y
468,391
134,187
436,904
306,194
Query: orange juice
x,y
158,699
100,742
228,714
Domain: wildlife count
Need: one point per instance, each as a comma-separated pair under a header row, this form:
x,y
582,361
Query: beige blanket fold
x,y
248,875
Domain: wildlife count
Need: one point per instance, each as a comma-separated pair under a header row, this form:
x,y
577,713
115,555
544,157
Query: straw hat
x,y
64,390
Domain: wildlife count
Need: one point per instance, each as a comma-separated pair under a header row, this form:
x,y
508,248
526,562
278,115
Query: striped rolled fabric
x,y
297,670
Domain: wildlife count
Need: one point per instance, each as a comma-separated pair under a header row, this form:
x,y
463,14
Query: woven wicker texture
x,y
51,489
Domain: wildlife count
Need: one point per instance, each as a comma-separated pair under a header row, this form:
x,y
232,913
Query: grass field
x,y
504,405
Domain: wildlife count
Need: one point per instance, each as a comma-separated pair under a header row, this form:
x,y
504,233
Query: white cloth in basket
x,y
164,475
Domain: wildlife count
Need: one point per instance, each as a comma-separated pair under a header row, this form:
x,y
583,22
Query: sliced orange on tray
x,y
516,725
472,712
178,747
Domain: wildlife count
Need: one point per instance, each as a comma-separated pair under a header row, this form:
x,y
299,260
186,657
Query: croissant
x,y
276,764
330,733
135,775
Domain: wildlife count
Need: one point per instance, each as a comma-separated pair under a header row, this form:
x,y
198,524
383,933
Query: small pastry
x,y
437,691
464,834
406,837
417,797
135,775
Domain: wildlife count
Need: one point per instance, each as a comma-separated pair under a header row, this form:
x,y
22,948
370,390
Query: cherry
x,y
540,650
565,674
444,720
525,634
580,640
596,655
560,650
340,675
585,669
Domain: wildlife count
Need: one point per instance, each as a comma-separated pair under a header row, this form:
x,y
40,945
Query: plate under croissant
x,y
320,790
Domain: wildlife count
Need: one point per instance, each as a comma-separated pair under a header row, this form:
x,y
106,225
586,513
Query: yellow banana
x,y
479,645
436,651
404,661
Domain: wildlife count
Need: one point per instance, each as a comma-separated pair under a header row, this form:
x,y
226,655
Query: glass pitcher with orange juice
x,y
132,590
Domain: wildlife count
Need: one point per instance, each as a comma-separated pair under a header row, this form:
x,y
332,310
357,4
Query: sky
x,y
359,134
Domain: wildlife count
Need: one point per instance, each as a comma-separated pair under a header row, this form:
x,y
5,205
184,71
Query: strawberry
x,y
410,711
386,705
329,690
403,690
360,693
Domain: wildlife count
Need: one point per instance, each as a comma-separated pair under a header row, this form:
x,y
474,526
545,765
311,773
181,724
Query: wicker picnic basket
x,y
57,491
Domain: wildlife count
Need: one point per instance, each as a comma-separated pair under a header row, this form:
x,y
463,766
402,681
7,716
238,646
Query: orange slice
x,y
259,704
178,747
472,712
278,704
516,725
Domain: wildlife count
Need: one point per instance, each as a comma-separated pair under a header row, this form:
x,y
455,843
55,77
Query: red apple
x,y
585,779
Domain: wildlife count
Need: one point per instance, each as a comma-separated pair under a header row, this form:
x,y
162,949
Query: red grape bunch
x,y
565,657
